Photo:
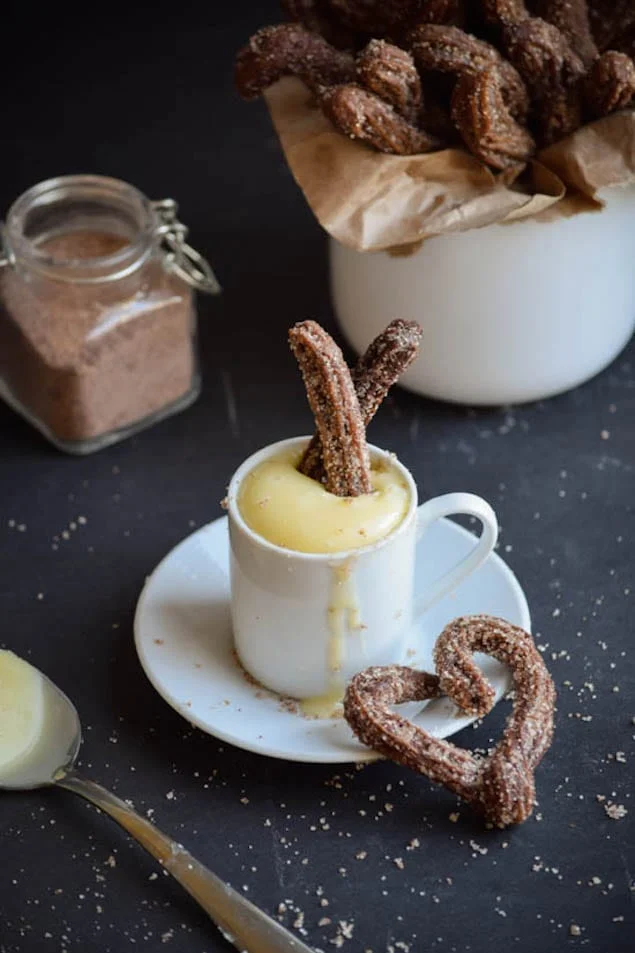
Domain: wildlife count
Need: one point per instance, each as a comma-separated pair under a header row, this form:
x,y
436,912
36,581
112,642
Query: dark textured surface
x,y
148,97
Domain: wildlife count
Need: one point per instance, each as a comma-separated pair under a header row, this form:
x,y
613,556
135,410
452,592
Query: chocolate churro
x,y
334,403
317,16
390,73
289,50
572,19
446,49
486,124
500,786
552,73
445,12
410,86
504,12
381,366
610,84
362,115
377,19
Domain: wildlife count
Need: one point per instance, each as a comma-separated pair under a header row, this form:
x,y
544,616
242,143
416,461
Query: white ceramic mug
x,y
510,313
305,623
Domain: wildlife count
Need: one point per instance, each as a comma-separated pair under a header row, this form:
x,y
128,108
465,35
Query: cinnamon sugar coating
x,y
501,785
488,129
445,12
363,115
317,15
504,12
376,371
447,49
559,115
390,73
610,84
542,56
383,363
572,19
332,399
552,73
289,50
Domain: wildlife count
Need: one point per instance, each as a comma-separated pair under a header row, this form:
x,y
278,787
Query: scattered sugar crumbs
x,y
18,527
285,704
615,811
618,756
477,849
65,534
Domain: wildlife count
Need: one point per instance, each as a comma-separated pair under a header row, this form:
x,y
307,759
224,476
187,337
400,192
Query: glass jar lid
x,y
80,202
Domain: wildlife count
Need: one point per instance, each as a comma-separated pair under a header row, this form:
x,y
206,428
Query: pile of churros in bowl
x,y
465,143
504,77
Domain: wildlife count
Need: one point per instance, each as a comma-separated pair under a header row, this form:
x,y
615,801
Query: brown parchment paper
x,y
371,201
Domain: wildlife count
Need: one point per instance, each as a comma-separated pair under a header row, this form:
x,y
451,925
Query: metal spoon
x,y
51,762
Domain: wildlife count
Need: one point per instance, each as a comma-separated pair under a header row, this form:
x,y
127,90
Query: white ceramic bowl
x,y
510,313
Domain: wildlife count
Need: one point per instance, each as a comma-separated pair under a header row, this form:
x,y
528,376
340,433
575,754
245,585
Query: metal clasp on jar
x,y
179,257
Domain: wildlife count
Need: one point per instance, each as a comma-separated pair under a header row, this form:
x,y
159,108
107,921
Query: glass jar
x,y
97,311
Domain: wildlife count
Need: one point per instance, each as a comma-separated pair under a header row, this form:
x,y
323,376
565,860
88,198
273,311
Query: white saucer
x,y
184,641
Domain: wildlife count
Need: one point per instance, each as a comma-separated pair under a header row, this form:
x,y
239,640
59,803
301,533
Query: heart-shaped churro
x,y
501,785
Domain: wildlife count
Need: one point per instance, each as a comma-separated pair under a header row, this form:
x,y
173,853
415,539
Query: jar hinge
x,y
179,257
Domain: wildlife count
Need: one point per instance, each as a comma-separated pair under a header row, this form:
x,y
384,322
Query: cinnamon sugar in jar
x,y
97,311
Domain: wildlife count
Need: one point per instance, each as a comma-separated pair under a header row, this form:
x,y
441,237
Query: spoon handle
x,y
240,921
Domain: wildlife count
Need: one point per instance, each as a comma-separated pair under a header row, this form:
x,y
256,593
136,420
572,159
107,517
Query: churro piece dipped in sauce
x,y
293,511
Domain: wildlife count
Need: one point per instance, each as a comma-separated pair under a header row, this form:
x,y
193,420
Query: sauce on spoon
x,y
22,707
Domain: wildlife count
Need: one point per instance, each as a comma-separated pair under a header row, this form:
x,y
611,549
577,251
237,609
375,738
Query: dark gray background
x,y
147,96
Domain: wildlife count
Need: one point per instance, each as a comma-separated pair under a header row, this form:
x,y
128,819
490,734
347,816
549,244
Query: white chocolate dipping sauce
x,y
22,707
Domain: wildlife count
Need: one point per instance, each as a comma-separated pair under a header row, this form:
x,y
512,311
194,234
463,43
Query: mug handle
x,y
448,505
